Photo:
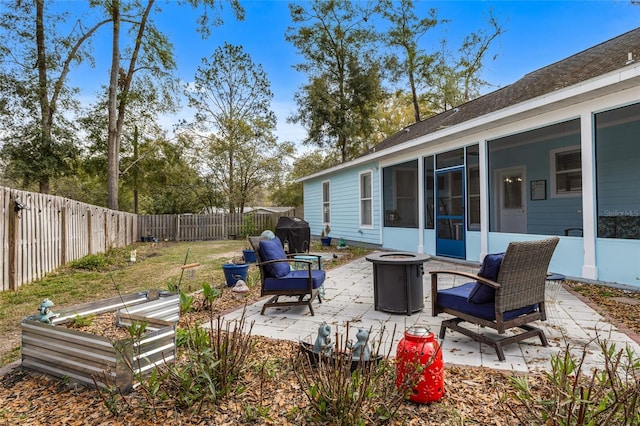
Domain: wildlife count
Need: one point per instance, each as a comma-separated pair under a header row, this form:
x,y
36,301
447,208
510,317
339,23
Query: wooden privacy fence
x,y
40,232
202,227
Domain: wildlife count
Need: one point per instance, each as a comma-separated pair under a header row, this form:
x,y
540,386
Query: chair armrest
x,y
308,263
317,256
475,277
267,262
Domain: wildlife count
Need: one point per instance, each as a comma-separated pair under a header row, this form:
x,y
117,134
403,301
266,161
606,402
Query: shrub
x,y
572,396
340,394
91,262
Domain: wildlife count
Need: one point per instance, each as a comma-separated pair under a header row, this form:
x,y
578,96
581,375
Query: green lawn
x,y
95,277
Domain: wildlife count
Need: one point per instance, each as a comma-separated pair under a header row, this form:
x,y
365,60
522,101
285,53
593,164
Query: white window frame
x,y
364,199
553,192
326,203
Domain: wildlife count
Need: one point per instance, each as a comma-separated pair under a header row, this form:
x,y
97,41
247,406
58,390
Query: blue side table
x,y
317,263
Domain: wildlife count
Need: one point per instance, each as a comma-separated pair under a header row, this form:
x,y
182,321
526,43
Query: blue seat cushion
x,y
295,280
458,298
273,250
482,293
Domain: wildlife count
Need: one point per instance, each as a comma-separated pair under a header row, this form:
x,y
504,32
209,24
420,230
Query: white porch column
x,y
484,199
420,205
589,207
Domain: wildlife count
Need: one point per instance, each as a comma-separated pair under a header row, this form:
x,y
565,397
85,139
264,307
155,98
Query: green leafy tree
x,y
411,64
336,39
288,192
394,113
438,80
232,98
150,53
38,140
457,78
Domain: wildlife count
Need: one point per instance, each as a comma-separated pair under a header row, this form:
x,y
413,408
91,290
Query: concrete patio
x,y
348,300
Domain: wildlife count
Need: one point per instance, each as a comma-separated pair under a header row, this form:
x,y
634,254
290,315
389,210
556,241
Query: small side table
x,y
554,284
317,263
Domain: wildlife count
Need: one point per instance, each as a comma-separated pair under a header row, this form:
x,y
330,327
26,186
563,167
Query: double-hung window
x,y
326,202
566,172
366,211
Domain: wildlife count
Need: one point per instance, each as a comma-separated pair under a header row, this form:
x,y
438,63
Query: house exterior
x,y
555,153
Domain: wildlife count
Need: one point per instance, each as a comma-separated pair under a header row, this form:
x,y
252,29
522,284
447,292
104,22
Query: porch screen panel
x,y
617,183
400,195
428,192
546,159
473,188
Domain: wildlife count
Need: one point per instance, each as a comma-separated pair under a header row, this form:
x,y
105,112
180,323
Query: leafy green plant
x,y
574,396
79,321
91,262
210,294
186,303
256,412
214,360
192,339
249,227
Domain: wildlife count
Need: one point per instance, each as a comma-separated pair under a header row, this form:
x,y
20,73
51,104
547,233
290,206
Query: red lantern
x,y
419,351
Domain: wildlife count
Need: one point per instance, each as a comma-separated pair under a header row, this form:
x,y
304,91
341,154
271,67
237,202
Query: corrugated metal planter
x,y
80,357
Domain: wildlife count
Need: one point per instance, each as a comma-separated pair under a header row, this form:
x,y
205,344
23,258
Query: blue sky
x,y
537,34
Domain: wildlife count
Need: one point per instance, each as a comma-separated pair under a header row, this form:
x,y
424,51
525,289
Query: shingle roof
x,y
593,62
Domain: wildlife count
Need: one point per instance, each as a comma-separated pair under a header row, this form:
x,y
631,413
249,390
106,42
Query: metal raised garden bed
x,y
80,357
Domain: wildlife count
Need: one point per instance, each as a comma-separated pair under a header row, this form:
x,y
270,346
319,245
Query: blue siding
x,y
313,205
429,241
567,258
401,239
618,261
345,205
473,245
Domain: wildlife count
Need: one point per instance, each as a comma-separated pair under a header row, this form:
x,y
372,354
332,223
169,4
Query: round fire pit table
x,y
397,281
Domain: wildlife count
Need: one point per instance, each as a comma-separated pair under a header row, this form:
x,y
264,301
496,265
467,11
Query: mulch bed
x,y
472,395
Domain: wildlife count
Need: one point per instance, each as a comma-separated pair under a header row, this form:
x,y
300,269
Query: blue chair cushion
x,y
273,250
482,293
458,298
295,280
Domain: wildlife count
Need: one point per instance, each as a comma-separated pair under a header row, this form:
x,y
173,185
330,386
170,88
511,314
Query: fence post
x,y
63,234
89,231
177,227
13,245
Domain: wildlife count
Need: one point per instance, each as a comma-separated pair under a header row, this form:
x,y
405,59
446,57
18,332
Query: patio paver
x,y
349,300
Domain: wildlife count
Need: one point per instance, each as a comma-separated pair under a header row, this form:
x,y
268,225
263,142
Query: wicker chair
x,y
512,300
277,279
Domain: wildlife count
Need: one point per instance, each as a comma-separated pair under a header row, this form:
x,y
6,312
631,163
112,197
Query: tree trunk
x,y
45,108
414,96
134,171
113,141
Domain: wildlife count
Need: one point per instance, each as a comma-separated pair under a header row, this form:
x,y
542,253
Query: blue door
x,y
450,232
